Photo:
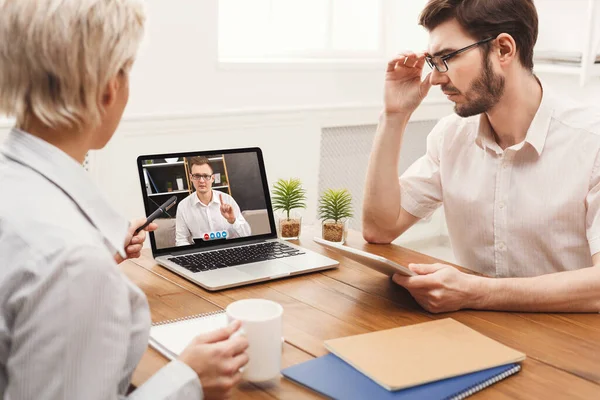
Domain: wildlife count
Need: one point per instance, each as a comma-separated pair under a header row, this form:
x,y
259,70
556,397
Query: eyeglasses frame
x,y
448,56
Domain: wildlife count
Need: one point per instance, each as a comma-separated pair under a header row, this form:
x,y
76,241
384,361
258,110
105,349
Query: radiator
x,y
345,153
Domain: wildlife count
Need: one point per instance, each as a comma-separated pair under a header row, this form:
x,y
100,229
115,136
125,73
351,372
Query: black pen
x,y
163,207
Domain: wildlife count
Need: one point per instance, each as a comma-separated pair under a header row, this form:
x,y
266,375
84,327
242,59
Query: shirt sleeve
x,y
71,335
173,382
592,202
420,184
182,232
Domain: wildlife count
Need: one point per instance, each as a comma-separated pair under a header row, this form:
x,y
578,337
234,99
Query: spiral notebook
x,y
170,337
334,378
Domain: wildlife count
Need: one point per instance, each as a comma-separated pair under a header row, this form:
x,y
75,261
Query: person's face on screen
x,y
202,178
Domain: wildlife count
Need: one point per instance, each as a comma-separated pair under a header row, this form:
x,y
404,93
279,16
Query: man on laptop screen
x,y
207,210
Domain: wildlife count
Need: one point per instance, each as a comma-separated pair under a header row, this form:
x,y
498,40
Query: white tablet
x,y
373,261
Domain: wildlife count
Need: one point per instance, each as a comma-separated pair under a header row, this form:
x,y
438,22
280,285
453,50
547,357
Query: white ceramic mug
x,y
262,325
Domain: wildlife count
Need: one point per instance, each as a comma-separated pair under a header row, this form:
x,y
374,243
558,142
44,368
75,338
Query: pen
x,y
163,207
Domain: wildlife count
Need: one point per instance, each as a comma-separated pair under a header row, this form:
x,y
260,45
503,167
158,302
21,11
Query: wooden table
x,y
563,350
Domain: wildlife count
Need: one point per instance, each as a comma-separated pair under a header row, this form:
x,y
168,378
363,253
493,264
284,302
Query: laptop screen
x,y
221,197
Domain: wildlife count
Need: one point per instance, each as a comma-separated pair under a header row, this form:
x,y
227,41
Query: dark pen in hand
x,y
159,211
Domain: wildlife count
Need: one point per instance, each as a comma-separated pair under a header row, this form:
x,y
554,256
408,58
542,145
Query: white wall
x,y
178,72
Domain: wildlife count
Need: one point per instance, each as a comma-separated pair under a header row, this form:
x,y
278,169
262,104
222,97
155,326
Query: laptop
x,y
221,231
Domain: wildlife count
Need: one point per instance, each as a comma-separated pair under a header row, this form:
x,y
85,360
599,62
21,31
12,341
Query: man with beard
x,y
517,168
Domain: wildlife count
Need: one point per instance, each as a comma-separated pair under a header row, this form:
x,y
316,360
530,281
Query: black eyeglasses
x,y
439,62
197,177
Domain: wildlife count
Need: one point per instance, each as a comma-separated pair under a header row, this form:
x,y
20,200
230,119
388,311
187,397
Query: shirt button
x,y
501,246
501,205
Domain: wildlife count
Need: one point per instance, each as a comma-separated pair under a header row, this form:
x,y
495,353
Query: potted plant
x,y
335,207
289,195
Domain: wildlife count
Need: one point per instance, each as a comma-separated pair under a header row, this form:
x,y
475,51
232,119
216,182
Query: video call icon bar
x,y
215,235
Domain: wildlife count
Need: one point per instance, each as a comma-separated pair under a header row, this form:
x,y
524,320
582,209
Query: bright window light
x,y
300,29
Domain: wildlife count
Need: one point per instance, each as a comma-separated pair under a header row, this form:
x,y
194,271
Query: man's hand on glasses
x,y
404,90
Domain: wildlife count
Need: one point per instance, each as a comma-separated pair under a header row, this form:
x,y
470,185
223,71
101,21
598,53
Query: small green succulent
x,y
335,204
288,195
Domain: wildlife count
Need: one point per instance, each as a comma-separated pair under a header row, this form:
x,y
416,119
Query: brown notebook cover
x,y
416,354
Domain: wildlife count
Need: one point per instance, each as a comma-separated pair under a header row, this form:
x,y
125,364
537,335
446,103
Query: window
x,y
284,30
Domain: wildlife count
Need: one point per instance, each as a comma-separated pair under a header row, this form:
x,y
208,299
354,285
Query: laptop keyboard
x,y
206,261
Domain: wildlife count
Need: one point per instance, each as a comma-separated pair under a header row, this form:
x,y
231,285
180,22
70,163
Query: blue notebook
x,y
334,378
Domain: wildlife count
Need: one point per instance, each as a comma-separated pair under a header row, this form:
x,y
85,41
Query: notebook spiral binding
x,y
474,389
169,321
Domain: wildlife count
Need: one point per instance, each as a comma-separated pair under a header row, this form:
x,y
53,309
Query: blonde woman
x,y
72,326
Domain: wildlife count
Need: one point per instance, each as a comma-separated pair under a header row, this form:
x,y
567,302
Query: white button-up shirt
x,y
194,219
72,326
531,209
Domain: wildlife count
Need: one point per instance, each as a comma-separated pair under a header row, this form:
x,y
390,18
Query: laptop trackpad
x,y
265,269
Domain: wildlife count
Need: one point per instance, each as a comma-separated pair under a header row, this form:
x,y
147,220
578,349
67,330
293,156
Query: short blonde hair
x,y
57,56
